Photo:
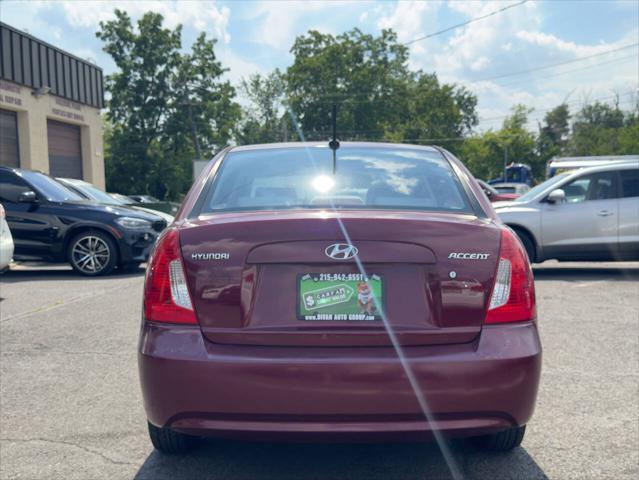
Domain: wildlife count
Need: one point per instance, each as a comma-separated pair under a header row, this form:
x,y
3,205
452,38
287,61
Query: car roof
x,y
17,170
595,158
606,167
324,144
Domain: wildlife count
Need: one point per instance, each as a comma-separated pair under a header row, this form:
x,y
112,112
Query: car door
x,y
585,225
629,214
29,224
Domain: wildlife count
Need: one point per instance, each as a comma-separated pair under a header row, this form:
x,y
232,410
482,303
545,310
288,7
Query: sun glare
x,y
323,183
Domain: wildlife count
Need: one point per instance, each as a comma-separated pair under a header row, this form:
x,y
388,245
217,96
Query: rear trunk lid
x,y
251,276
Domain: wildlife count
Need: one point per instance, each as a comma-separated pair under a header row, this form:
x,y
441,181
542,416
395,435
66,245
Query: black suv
x,y
50,222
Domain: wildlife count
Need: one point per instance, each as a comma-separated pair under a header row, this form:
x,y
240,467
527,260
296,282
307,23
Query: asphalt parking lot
x,y
70,404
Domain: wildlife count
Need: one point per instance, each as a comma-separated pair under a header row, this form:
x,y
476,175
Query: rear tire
x,y
92,253
502,441
529,245
170,442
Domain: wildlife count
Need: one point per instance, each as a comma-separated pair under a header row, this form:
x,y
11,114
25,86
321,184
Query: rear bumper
x,y
195,386
135,246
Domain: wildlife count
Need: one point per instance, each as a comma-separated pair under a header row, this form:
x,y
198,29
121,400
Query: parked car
x,y
292,300
511,187
515,172
91,192
494,195
52,223
587,214
566,164
155,203
6,242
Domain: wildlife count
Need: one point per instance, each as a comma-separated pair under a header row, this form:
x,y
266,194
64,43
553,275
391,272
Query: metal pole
x,y
505,161
196,143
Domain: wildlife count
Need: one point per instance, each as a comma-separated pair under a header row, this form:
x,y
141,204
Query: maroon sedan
x,y
370,294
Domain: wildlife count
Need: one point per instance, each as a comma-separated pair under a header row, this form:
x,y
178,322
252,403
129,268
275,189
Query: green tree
x,y
164,108
553,137
264,120
604,129
377,95
484,154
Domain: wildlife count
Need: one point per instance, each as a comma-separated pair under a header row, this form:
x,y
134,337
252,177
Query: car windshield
x,y
506,189
49,188
533,192
365,178
93,192
121,199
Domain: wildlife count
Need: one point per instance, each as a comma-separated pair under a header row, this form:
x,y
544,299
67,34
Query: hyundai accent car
x,y
51,223
363,293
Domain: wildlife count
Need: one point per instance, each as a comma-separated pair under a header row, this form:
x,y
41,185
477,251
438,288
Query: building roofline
x,y
36,39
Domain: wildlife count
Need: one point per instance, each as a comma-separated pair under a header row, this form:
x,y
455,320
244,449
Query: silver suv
x,y
587,214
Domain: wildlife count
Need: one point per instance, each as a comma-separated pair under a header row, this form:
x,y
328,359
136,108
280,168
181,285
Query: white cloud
x,y
410,18
238,66
200,15
480,64
276,24
548,40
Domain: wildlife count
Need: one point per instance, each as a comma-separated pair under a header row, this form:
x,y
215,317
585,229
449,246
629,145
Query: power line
x,y
476,19
615,60
552,65
344,97
536,110
576,102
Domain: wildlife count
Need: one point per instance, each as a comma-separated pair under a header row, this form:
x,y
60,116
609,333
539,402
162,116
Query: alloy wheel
x,y
91,254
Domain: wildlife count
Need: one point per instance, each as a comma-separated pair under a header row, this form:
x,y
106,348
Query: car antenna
x,y
334,143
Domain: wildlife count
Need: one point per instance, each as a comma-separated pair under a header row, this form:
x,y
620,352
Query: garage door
x,y
65,157
9,153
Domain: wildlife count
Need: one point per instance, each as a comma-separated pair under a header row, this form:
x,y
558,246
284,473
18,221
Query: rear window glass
x,y
365,178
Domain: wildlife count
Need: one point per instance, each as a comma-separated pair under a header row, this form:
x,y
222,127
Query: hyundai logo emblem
x,y
341,251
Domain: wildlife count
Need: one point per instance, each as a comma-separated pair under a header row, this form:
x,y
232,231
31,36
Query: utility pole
x,y
196,142
505,161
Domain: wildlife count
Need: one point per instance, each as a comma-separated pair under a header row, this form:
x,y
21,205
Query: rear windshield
x,y
365,178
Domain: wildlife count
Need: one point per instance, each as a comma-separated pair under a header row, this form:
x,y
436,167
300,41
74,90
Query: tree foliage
x,y
265,121
367,76
163,106
167,107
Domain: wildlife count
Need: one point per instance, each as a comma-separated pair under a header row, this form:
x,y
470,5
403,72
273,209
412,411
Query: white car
x,y
6,241
587,214
511,187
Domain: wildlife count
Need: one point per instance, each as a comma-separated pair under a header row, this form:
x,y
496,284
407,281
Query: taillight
x,y
166,293
1,212
513,295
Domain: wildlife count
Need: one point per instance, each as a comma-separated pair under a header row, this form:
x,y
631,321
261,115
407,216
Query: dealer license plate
x,y
340,296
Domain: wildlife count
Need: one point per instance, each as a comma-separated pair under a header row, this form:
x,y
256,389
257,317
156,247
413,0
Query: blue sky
x,y
257,36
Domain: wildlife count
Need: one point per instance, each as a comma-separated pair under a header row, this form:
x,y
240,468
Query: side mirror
x,y
557,196
28,196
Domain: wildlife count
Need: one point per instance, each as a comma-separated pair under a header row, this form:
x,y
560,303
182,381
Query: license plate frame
x,y
344,297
